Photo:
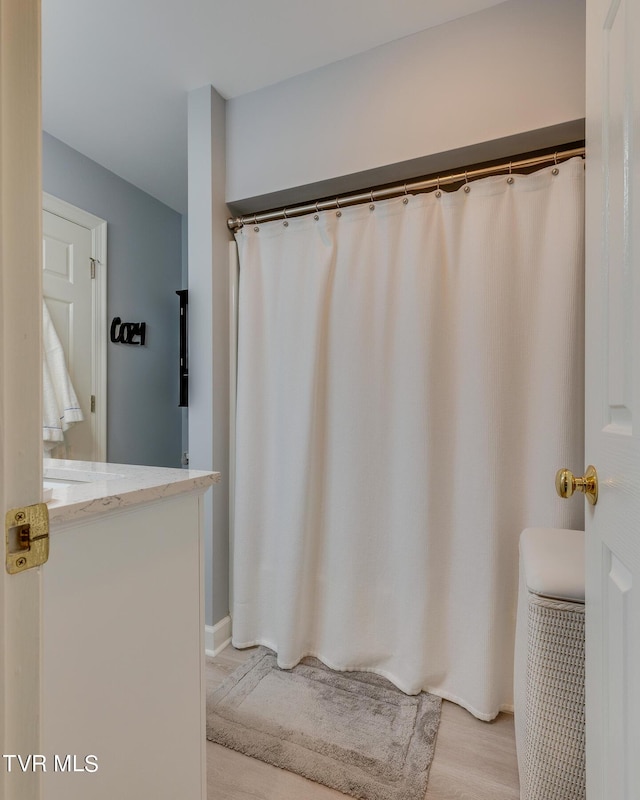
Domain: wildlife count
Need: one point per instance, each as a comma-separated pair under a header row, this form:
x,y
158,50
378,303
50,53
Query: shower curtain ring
x,y
438,192
285,223
467,188
372,204
555,170
405,199
255,223
510,178
338,212
316,216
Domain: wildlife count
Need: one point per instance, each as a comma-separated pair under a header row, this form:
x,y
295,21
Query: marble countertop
x,y
83,489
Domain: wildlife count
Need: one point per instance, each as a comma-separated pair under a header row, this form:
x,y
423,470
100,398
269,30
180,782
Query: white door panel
x,y
613,399
20,379
66,286
72,240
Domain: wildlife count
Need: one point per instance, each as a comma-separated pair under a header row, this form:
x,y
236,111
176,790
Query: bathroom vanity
x,y
123,651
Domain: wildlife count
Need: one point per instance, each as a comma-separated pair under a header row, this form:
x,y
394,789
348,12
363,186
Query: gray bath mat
x,y
352,731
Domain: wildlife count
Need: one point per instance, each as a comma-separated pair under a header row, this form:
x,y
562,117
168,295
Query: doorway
x,y
74,289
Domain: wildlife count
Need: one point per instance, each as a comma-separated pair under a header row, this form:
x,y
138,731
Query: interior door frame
x,y
98,228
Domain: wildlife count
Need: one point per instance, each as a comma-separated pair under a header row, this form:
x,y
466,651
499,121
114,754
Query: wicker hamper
x,y
549,666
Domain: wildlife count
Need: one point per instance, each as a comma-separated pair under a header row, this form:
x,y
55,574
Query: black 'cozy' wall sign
x,y
127,332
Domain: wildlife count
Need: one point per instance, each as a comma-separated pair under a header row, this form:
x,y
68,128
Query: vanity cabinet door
x,y
123,656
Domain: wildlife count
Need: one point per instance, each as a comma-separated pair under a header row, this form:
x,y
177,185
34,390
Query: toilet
x,y
549,689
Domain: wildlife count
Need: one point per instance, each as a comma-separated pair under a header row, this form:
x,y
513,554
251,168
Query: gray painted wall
x,y
209,333
185,285
144,251
426,103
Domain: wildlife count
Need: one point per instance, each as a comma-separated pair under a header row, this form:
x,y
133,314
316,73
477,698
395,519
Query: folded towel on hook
x,y
60,403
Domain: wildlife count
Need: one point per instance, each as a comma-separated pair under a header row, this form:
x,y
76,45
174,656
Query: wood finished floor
x,y
473,760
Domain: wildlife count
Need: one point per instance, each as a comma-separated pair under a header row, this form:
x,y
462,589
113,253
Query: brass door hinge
x,y
93,404
93,268
26,537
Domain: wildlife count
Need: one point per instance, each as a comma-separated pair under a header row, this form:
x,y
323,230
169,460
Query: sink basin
x,y
51,483
67,477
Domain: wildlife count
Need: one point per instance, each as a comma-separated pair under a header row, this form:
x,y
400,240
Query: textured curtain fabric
x,y
410,378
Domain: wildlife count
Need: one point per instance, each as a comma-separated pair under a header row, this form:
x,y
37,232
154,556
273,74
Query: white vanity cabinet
x,y
123,627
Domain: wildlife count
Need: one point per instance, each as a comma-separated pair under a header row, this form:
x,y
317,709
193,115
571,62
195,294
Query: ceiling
x,y
116,72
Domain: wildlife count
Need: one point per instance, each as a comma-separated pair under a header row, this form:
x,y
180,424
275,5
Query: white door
x,y
20,379
74,285
66,288
613,399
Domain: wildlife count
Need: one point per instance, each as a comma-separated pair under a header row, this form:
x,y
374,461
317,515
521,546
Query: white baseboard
x,y
217,637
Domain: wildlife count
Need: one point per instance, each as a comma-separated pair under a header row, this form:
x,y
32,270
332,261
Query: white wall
x,y
402,109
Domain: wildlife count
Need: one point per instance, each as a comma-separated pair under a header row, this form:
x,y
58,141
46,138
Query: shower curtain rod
x,y
398,190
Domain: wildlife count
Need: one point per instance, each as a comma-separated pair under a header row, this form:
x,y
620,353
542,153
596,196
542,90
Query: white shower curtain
x,y
409,380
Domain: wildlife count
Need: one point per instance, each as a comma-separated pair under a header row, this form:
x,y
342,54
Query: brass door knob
x,y
567,484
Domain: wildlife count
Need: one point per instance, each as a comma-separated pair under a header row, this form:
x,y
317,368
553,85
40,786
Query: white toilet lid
x,y
553,562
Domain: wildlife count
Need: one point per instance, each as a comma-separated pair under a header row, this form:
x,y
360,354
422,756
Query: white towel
x,y
60,403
